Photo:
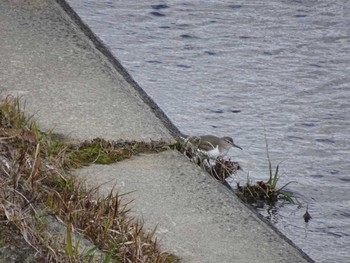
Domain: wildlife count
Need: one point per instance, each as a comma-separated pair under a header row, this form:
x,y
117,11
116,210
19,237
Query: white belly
x,y
213,153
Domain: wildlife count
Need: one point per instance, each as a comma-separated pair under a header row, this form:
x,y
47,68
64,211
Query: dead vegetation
x,y
36,187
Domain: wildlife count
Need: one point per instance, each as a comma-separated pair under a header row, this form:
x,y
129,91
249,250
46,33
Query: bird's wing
x,y
206,146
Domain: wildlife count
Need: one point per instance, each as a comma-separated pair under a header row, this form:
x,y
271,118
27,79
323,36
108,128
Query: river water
x,y
251,69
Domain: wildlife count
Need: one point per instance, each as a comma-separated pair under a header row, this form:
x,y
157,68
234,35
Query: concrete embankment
x,y
72,84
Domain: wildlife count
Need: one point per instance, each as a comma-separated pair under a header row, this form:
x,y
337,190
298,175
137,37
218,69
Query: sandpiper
x,y
212,146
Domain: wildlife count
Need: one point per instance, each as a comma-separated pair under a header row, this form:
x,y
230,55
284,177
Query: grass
x,y
38,196
267,192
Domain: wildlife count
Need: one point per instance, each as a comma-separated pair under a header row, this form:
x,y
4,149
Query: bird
x,y
212,146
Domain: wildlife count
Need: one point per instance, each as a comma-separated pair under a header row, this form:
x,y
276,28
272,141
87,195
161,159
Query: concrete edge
x,y
174,131
101,47
274,228
229,191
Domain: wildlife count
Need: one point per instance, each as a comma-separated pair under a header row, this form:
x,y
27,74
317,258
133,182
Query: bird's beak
x,y
235,145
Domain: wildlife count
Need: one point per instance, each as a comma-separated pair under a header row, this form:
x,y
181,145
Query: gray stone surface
x,y
64,80
71,86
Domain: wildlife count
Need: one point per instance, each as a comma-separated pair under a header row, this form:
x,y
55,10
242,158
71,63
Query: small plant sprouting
x,y
266,192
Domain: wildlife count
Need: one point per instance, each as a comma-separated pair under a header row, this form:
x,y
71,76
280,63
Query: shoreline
x,y
190,207
175,132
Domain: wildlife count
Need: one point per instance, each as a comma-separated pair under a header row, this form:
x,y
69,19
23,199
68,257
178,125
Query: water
x,y
250,69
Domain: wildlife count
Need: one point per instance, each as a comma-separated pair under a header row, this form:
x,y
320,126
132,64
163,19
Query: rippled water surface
x,y
246,69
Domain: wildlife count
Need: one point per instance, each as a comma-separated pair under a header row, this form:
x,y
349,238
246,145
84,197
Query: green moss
x,y
98,151
177,145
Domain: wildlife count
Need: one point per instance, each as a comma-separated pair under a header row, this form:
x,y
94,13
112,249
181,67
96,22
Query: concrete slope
x,y
68,84
71,86
196,217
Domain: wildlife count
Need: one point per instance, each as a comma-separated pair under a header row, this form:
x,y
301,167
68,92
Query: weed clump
x,y
267,192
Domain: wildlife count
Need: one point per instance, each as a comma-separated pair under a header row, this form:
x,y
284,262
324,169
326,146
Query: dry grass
x,y
35,185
